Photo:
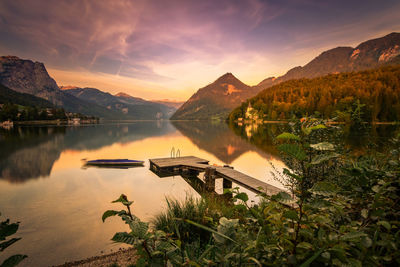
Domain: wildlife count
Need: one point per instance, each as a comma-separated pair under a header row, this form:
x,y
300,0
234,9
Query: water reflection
x,y
97,136
261,136
30,152
374,137
355,140
61,215
217,139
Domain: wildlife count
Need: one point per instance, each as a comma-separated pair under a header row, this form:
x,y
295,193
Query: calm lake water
x,y
60,204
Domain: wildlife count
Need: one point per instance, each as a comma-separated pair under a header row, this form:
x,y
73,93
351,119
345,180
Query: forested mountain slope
x,y
374,94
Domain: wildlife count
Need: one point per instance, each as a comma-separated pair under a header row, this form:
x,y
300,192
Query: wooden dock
x,y
193,165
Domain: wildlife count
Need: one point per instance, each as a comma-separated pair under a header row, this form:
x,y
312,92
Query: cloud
x,y
183,45
89,34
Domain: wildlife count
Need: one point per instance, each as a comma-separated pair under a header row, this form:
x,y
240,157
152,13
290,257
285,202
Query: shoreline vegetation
x,y
339,209
95,121
327,122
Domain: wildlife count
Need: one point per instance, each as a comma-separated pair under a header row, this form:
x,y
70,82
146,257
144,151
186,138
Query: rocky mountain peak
x,y
68,87
369,54
227,78
11,58
216,99
124,95
26,76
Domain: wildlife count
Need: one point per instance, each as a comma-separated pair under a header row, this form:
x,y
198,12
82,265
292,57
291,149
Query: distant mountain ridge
x,y
128,99
216,99
23,78
369,54
26,76
170,103
130,107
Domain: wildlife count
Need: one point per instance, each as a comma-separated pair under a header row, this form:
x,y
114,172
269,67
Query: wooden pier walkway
x,y
194,165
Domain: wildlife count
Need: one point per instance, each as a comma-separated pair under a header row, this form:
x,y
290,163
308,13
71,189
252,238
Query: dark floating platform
x,y
191,166
114,163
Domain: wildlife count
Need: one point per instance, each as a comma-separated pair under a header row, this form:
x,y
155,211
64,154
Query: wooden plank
x,y
171,162
198,164
247,181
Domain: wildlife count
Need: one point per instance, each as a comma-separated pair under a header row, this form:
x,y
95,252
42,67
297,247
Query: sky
x,y
168,49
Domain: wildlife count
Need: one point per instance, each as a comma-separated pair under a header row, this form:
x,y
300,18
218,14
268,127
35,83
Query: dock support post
x,y
227,184
209,177
152,166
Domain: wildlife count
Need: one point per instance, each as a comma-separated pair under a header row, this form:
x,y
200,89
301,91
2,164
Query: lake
x,y
59,203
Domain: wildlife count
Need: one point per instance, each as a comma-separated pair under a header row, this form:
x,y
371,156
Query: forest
x,y
367,96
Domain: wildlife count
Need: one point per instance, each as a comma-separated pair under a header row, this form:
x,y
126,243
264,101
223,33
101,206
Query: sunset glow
x,y
167,49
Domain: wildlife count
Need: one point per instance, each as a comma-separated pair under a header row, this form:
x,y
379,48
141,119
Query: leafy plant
x,y
8,229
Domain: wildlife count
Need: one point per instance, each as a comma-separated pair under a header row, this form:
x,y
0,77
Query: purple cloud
x,y
132,38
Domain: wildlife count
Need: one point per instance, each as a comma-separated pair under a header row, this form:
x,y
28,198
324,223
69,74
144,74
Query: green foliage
x,y
14,112
7,229
10,96
354,97
288,136
337,211
196,210
293,150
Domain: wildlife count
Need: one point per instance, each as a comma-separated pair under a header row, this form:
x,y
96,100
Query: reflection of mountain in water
x,y
97,136
30,152
217,139
355,140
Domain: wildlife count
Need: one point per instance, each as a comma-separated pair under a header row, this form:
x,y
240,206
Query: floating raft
x,y
114,162
194,164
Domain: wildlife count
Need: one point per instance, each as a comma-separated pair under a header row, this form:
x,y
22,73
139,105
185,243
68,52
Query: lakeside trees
x,y
372,95
13,112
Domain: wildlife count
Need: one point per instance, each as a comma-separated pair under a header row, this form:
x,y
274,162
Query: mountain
x,y
215,100
29,77
367,55
170,103
26,76
128,99
10,96
127,106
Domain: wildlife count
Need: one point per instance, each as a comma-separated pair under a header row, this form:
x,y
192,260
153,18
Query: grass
x,y
206,211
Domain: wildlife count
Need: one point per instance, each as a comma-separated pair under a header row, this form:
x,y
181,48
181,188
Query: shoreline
x,y
53,122
329,122
123,258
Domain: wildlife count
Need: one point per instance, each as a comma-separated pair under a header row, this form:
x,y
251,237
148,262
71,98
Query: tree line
x,y
13,112
371,95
